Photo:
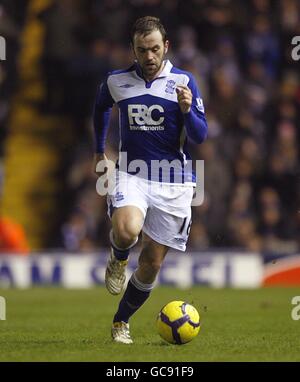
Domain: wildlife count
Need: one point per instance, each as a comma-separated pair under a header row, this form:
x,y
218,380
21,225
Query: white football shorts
x,y
166,207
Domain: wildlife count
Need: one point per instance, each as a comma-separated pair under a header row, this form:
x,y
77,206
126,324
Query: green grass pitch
x,y
54,324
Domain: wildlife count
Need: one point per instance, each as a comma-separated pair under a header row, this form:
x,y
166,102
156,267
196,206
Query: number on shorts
x,y
188,228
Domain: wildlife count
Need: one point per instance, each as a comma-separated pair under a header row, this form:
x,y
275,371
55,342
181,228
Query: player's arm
x,y
101,115
191,106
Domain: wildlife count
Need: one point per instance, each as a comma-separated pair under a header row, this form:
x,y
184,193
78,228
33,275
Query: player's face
x,y
149,51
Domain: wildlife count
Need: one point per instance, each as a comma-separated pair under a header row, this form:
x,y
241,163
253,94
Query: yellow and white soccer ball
x,y
178,322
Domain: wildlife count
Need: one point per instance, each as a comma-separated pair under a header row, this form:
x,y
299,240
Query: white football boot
x,y
115,274
120,332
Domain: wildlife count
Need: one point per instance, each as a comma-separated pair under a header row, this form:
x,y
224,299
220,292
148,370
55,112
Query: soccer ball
x,y
178,322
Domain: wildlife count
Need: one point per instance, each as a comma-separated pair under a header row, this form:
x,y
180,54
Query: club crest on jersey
x,y
170,87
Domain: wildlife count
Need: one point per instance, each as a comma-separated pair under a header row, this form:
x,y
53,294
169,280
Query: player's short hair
x,y
147,24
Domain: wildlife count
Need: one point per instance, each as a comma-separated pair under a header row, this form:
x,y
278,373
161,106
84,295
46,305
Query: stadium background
x,y
240,53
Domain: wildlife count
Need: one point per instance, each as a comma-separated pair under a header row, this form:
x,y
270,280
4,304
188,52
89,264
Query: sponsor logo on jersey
x,y
170,87
142,117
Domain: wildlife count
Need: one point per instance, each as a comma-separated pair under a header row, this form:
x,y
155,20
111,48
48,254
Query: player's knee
x,y
126,233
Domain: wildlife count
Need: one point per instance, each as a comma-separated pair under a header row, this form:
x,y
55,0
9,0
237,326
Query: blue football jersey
x,y
152,127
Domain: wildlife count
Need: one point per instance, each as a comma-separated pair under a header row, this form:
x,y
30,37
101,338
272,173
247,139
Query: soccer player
x,y
159,107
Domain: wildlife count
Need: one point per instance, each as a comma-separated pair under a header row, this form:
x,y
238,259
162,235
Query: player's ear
x,y
132,48
166,47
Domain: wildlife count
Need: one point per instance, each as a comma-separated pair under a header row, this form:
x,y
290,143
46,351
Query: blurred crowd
x,y
9,29
240,53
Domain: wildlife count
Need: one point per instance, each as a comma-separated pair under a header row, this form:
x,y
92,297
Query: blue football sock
x,y
120,253
134,297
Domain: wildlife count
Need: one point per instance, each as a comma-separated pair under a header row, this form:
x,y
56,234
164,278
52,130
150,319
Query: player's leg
x,y
127,223
139,287
166,225
150,260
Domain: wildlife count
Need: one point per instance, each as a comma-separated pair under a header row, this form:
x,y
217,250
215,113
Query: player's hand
x,y
184,97
103,158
